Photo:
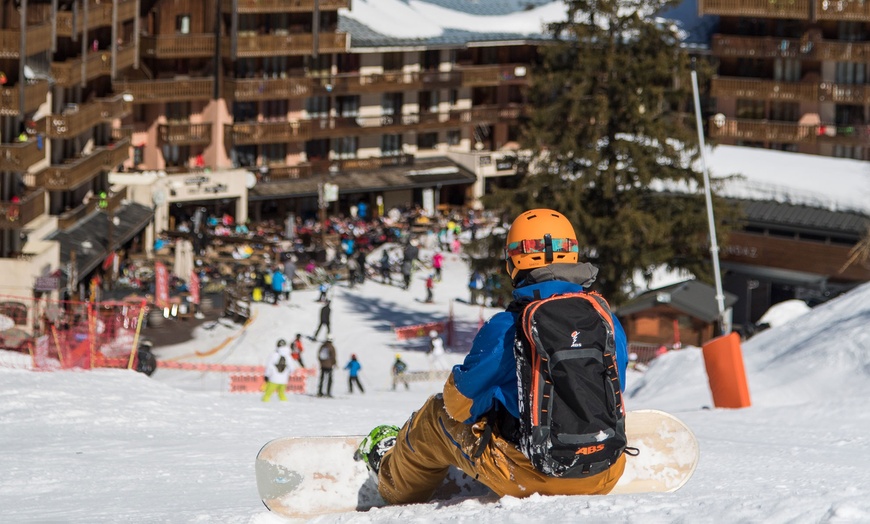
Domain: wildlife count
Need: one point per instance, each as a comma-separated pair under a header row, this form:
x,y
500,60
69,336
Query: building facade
x,y
792,76
123,114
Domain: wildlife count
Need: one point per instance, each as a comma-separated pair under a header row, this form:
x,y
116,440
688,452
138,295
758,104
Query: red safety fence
x,y
253,382
65,335
419,330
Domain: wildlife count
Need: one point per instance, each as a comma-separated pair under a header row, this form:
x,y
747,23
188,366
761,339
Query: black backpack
x,y
572,419
281,365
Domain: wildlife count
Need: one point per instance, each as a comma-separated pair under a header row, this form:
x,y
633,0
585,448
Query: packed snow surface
x,y
116,446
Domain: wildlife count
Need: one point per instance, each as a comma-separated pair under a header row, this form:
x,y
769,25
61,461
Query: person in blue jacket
x,y
541,257
353,366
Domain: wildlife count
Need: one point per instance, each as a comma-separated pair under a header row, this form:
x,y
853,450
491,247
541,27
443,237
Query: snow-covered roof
x,y
438,23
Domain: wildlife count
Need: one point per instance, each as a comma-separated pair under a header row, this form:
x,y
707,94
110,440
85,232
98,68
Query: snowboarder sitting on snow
x,y
278,371
475,423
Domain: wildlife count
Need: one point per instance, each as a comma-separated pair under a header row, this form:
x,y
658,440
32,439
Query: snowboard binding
x,y
373,447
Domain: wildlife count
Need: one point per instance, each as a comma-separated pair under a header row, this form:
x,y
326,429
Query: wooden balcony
x,y
268,132
320,167
16,215
493,75
20,156
114,107
176,89
492,114
116,154
847,11
38,40
184,133
756,89
70,175
794,9
282,6
75,71
35,94
764,131
178,46
267,88
99,14
772,47
253,45
120,133
126,57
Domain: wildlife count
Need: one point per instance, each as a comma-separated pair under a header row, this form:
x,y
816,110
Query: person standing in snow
x,y
430,286
327,359
399,369
325,313
296,349
436,351
475,423
437,262
278,370
353,367
278,282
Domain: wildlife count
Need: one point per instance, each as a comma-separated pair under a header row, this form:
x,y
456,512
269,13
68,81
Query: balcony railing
x,y
20,156
789,132
309,169
114,107
772,47
70,73
34,96
494,75
177,89
178,46
798,9
63,177
283,6
268,132
72,22
84,117
185,134
38,40
16,215
267,88
764,89
116,154
847,11
300,44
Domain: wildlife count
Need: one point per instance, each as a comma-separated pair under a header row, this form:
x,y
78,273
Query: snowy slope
x,y
116,446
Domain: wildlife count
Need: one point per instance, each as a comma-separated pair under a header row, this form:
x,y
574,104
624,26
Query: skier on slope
x,y
474,423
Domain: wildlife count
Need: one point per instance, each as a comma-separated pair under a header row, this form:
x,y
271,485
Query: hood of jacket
x,y
582,273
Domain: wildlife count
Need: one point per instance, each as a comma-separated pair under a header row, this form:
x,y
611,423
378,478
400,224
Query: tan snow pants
x,y
431,441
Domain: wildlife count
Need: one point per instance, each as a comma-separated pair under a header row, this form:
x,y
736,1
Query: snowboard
x,y
302,477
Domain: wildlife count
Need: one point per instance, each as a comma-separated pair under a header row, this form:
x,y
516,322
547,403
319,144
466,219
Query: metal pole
x,y
714,246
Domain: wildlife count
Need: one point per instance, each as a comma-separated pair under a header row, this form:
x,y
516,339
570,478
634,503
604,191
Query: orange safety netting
x,y
65,335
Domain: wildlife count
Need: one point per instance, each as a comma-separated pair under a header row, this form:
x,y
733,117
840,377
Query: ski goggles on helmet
x,y
542,245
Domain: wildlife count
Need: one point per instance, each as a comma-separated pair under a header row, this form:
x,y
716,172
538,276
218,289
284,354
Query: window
x,y
850,31
846,115
317,106
345,147
391,145
784,111
428,101
275,153
430,59
453,137
182,24
138,155
427,140
391,104
752,109
178,111
787,69
275,110
347,106
850,73
393,62
453,97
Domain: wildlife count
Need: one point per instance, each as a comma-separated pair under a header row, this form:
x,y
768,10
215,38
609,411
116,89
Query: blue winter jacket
x,y
353,366
489,375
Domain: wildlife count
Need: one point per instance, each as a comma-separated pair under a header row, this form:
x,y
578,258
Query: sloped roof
x,y
423,173
94,229
805,218
692,297
457,23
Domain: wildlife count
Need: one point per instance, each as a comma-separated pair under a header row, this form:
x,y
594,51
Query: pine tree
x,y
608,128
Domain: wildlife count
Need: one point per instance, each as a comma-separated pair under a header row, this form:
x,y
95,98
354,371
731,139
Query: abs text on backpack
x,y
572,419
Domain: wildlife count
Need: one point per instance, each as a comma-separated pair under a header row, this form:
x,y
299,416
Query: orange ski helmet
x,y
537,238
